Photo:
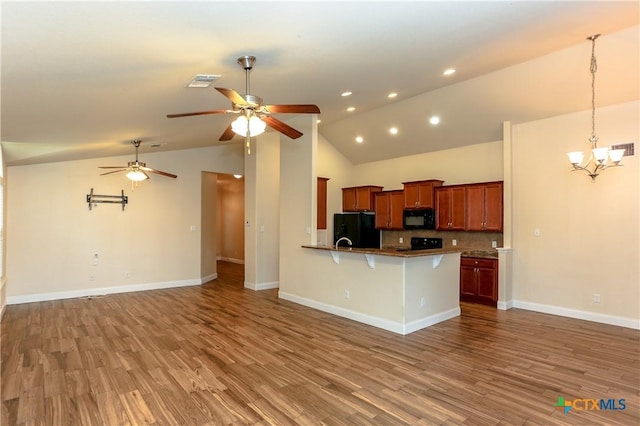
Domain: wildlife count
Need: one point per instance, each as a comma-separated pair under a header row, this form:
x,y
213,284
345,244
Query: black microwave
x,y
419,219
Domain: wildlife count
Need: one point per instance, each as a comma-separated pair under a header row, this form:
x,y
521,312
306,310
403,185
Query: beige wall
x,y
52,235
208,226
230,225
474,163
589,232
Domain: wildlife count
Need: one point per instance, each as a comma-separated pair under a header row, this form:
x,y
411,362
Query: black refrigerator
x,y
360,228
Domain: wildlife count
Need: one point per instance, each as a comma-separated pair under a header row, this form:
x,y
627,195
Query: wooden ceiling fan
x,y
254,116
136,170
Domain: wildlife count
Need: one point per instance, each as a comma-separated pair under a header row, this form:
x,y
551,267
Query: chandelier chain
x,y
594,68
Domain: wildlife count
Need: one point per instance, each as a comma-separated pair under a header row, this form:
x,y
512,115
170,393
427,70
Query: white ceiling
x,y
83,79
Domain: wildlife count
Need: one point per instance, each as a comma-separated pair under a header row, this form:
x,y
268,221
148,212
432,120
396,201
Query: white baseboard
x,y
505,306
208,278
3,294
73,294
261,286
393,326
431,320
574,313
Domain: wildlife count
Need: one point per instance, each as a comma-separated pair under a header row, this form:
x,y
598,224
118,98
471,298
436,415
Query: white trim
x,y
393,326
262,286
3,294
430,320
208,278
505,306
72,294
574,313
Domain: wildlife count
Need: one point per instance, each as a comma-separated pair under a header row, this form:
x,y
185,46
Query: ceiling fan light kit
x,y
254,116
136,170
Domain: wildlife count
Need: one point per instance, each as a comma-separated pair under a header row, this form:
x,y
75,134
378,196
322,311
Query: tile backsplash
x,y
467,240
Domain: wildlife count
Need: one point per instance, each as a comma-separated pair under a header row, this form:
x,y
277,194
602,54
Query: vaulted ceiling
x,y
83,79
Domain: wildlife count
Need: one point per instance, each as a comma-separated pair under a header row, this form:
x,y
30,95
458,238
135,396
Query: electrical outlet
x,y
127,274
400,240
536,232
346,294
494,244
596,297
422,302
454,242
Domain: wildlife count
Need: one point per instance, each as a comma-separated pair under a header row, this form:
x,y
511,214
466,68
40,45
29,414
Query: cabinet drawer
x,y
477,262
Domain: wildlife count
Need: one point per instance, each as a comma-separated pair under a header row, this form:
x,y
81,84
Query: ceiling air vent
x,y
202,80
629,148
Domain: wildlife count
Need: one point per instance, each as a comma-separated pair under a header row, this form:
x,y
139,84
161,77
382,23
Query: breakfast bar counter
x,y
399,291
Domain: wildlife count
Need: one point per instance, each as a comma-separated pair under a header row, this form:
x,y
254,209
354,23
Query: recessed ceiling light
x,y
359,139
434,120
449,71
393,130
350,109
392,95
346,94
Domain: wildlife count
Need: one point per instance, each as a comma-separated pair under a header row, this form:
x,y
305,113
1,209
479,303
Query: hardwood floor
x,y
219,354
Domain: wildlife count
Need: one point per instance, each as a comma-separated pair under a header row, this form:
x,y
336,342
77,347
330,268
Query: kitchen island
x,y
399,291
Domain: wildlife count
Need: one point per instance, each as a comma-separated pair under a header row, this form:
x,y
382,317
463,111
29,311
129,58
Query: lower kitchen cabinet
x,y
479,280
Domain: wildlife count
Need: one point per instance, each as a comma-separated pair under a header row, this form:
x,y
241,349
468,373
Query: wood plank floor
x,y
219,354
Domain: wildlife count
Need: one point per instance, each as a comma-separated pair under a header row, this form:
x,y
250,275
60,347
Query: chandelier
x,y
597,162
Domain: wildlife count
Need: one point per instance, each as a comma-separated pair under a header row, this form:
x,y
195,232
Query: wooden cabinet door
x,y
322,203
457,209
364,199
487,284
388,206
349,199
396,206
443,208
425,195
468,286
420,194
479,280
474,198
493,196
450,208
411,195
381,209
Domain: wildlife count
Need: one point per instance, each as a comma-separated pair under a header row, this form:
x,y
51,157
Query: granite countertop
x,y
394,252
484,254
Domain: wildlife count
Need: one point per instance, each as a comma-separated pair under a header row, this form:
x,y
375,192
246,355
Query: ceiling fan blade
x,y
188,114
228,134
234,96
283,128
160,172
293,109
112,167
115,171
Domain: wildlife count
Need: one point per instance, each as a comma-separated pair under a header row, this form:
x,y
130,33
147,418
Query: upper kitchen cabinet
x,y
484,206
322,203
420,194
359,198
450,208
388,209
